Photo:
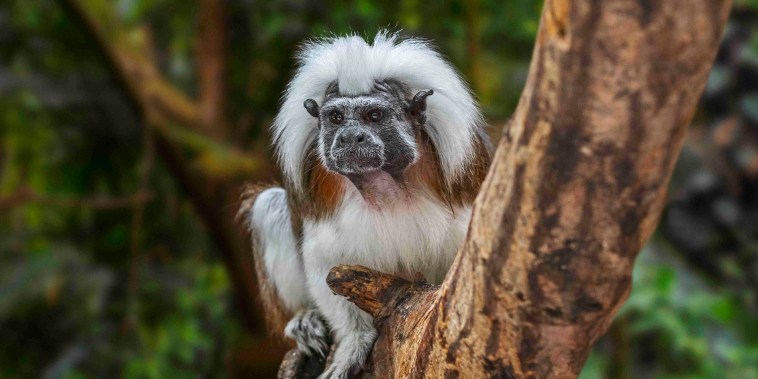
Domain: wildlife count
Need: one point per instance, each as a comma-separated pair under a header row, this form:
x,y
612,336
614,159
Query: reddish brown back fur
x,y
428,172
323,191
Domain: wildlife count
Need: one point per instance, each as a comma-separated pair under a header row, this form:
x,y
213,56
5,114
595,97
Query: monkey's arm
x,y
280,272
352,328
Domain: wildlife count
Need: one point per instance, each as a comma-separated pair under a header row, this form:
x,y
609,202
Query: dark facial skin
x,y
362,135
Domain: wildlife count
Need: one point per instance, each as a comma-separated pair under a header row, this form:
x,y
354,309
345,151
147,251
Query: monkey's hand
x,y
333,372
350,355
310,332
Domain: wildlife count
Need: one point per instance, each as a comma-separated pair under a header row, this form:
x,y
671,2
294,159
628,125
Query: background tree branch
x,y
183,124
25,195
211,62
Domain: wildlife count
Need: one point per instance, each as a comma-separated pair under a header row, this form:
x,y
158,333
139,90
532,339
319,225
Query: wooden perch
x,y
368,289
373,291
575,189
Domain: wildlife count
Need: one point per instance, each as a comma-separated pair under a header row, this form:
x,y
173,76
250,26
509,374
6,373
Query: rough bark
x,y
575,189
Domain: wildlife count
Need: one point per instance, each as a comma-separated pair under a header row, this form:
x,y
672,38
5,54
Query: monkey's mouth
x,y
350,162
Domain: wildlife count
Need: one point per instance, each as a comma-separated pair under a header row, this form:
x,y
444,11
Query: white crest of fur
x,y
453,116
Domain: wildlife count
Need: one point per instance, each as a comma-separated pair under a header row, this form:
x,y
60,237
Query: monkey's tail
x,y
278,262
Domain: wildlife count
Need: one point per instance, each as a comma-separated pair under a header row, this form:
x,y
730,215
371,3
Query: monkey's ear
x,y
418,106
312,107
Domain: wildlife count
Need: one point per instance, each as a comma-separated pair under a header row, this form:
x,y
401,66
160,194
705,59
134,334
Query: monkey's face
x,y
367,133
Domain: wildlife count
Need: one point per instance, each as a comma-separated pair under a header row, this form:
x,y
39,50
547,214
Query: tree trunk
x,y
575,189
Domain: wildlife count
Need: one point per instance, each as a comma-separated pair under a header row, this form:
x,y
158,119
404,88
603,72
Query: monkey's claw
x,y
310,333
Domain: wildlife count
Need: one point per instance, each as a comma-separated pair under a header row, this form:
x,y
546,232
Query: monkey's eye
x,y
335,117
375,115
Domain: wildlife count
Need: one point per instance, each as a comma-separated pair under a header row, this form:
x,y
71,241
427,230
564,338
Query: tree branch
x,y
371,290
131,316
128,54
175,118
210,59
26,195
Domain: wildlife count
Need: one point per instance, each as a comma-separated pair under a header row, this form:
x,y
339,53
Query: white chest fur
x,y
418,234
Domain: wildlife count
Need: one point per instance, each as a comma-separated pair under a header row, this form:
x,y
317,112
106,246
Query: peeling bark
x,y
575,189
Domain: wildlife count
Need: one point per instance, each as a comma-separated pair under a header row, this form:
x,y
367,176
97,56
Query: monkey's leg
x,y
353,328
285,280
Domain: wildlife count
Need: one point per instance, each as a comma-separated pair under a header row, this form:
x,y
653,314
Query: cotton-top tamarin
x,y
383,149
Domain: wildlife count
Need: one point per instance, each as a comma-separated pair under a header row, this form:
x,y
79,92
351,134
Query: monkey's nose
x,y
352,138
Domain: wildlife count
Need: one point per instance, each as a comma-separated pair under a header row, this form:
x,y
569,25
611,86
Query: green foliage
x,y
746,3
175,345
65,306
689,327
